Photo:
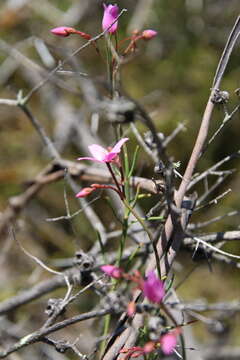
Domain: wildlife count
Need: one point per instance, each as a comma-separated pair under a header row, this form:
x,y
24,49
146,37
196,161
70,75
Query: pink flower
x,y
66,31
85,192
168,342
153,288
103,155
112,271
109,16
148,34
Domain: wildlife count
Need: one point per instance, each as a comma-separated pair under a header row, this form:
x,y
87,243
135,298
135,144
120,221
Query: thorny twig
x,y
213,168
226,119
39,334
214,201
213,220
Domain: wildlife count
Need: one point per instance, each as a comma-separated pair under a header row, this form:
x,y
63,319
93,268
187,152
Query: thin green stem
x,y
107,320
109,63
122,241
140,220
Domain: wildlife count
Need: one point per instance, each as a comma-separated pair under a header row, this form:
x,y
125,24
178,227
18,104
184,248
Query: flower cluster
x,y
109,25
153,290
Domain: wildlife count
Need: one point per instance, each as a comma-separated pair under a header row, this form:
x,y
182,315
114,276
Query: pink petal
x,y
117,148
98,152
102,155
153,288
91,159
112,271
110,156
168,343
110,14
113,10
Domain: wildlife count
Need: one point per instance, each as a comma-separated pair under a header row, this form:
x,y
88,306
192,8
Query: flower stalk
x,y
150,236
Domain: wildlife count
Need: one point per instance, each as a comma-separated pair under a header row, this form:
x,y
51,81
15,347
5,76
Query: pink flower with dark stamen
x,y
112,271
168,342
85,192
110,14
153,288
103,155
148,34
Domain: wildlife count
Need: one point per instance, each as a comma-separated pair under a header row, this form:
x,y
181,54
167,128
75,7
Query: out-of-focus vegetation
x,y
170,75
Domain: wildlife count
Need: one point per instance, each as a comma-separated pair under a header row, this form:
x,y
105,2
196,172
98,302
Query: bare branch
x,y
226,119
39,334
213,168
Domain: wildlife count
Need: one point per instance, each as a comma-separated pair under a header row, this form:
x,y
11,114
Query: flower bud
x,y
109,16
85,192
66,31
63,31
149,34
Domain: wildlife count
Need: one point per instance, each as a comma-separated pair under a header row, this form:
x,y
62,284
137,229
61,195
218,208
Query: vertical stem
x,y
149,235
123,240
109,64
115,180
107,319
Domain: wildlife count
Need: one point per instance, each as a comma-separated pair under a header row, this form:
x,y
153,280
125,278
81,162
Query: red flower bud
x,y
85,192
148,34
66,31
